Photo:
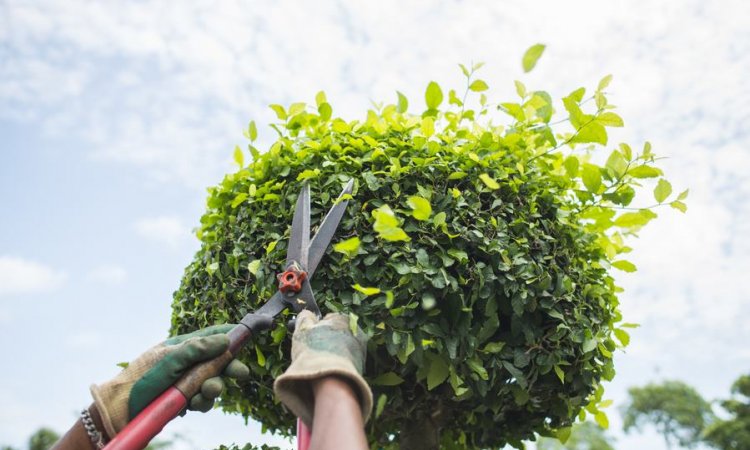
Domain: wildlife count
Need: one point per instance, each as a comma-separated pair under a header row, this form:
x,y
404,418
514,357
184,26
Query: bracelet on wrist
x,y
96,436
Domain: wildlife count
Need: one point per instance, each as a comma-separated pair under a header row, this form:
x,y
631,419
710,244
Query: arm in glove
x,y
119,400
322,349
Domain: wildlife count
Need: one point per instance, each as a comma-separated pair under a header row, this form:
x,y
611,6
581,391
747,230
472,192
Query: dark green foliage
x,y
481,269
734,432
677,411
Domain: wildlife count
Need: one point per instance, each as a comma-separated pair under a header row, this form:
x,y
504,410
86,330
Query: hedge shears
x,y
294,292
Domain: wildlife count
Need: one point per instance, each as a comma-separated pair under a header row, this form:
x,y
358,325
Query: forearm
x,y
76,438
338,417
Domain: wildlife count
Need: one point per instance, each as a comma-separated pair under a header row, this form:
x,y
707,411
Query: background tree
x,y
677,411
476,256
583,436
43,439
734,432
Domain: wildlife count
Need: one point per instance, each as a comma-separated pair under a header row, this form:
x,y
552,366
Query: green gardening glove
x,y
321,349
122,398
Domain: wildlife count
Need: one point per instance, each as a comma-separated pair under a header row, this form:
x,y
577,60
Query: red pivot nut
x,y
291,280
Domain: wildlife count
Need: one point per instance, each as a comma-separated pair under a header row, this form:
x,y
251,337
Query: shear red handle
x,y
148,423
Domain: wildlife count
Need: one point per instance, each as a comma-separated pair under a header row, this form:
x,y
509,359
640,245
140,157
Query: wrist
x,y
92,424
332,386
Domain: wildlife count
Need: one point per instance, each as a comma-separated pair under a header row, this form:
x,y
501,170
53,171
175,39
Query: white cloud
x,y
109,274
21,276
165,229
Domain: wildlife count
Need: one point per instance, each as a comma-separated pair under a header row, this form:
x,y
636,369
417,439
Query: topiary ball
x,y
475,256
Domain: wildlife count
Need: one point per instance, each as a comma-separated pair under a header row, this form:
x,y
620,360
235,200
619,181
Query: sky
x,y
116,116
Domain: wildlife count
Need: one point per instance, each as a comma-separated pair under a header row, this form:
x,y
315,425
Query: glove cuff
x,y
294,387
103,396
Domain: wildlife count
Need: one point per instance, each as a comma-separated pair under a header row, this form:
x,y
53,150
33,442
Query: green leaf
x,y
634,219
307,174
617,163
438,372
433,96
532,56
380,406
604,83
644,171
349,247
239,157
592,177
241,197
123,364
662,190
439,219
520,89
622,336
478,86
253,266
421,209
625,266
428,126
589,345
610,119
683,195
252,131
560,374
368,291
389,299
387,225
388,379
489,181
571,164
459,255
325,111
260,356
494,347
679,205
403,103
353,327
476,365
320,98
563,434
601,419
590,132
464,70
514,110
279,110
212,268
270,247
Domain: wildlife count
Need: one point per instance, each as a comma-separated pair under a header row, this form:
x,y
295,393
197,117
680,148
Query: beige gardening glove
x,y
120,399
319,349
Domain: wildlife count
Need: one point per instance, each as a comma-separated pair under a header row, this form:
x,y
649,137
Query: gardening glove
x,y
322,348
122,398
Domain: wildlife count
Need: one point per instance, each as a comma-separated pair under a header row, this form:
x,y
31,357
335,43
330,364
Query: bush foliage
x,y
476,255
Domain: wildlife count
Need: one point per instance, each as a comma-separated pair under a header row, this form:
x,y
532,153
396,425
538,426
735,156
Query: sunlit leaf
x,y
349,247
421,209
531,56
433,96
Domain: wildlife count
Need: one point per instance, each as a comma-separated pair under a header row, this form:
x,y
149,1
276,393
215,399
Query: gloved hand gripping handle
x,y
148,423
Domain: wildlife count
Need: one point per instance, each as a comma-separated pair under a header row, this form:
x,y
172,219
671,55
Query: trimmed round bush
x,y
476,256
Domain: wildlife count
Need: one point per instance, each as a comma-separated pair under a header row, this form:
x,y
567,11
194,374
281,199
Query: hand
x,y
122,398
321,349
